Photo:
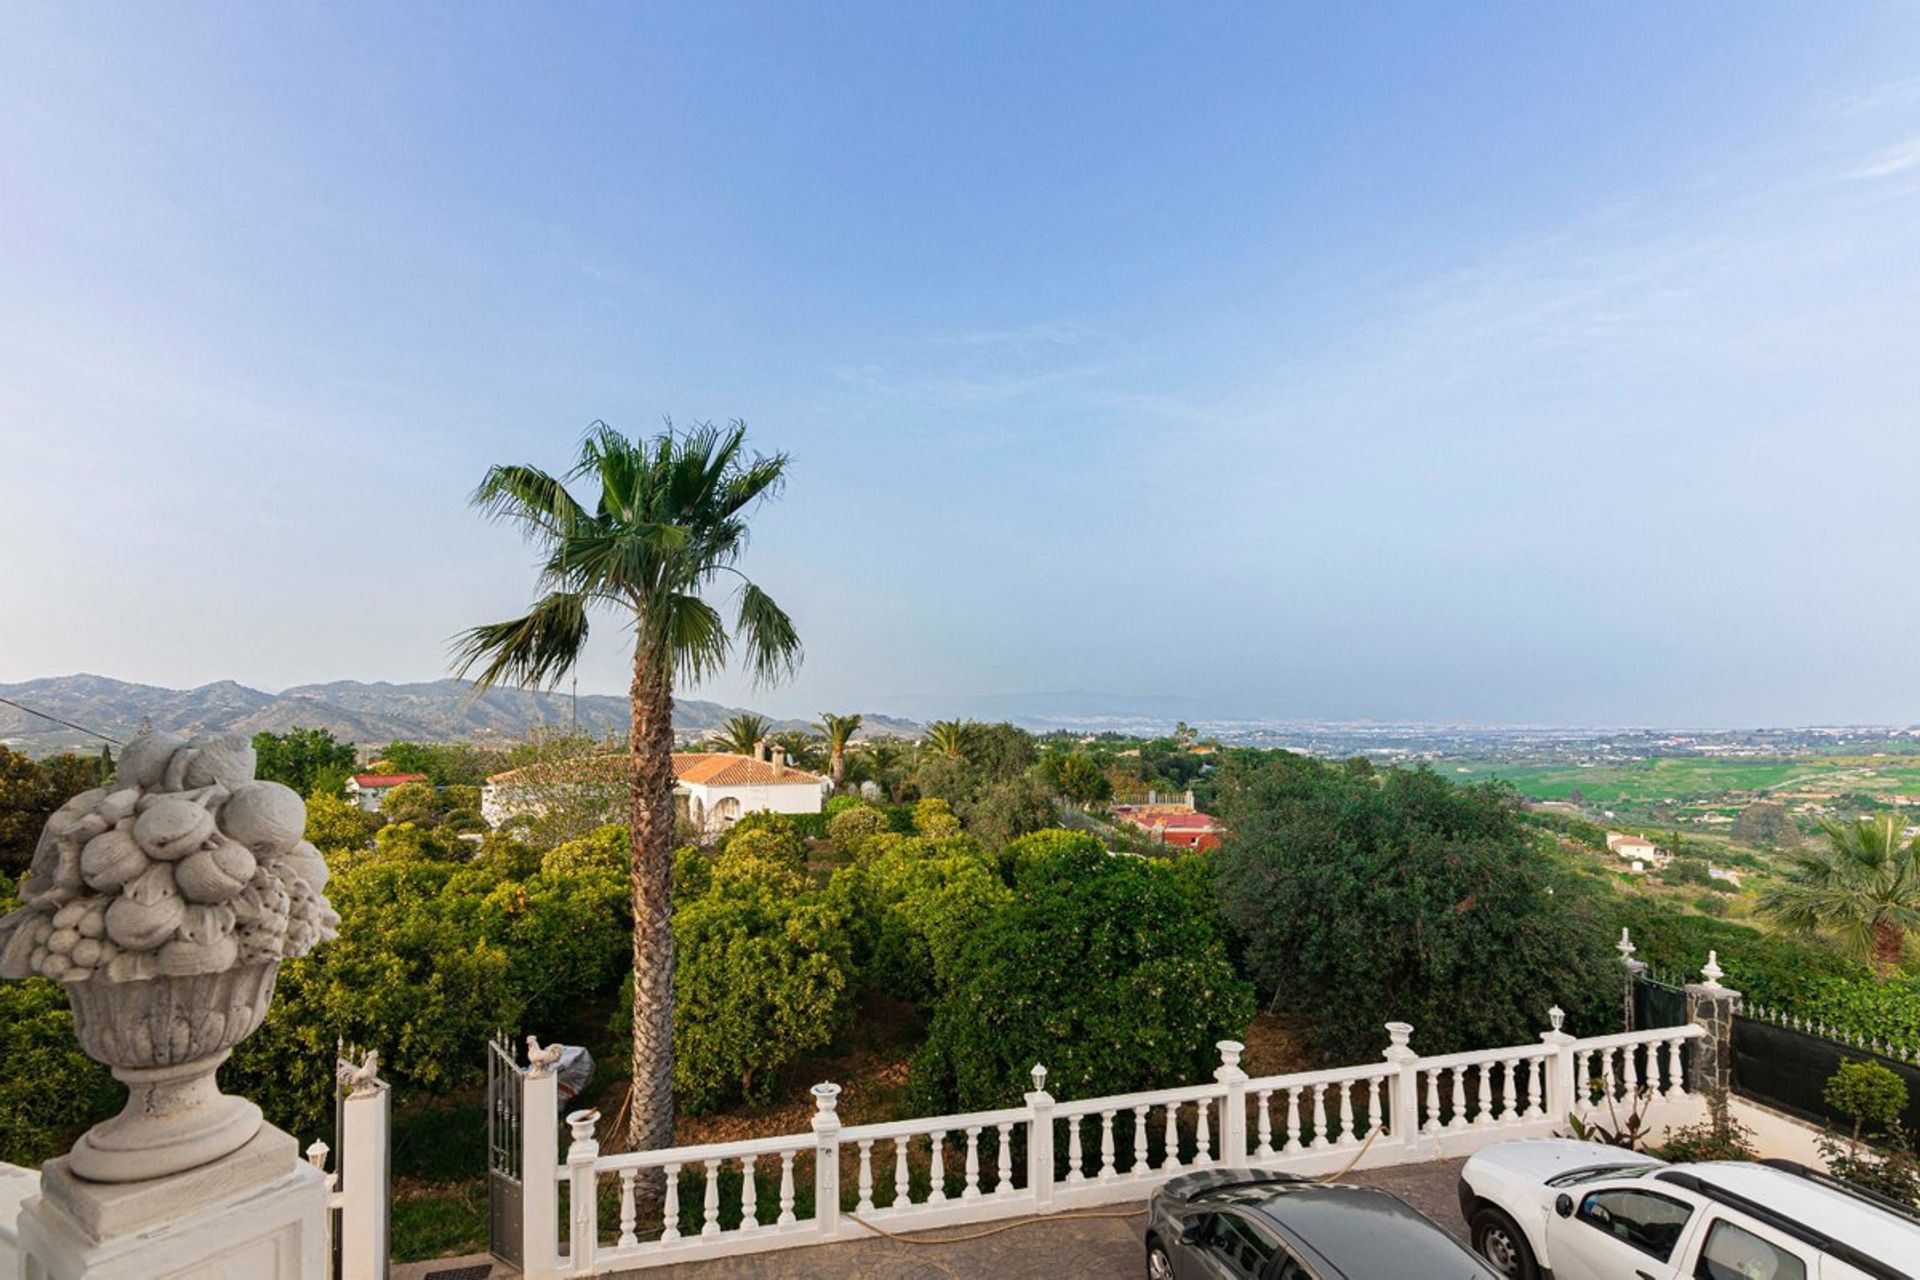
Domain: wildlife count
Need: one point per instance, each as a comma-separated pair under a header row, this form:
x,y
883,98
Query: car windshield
x,y
1596,1172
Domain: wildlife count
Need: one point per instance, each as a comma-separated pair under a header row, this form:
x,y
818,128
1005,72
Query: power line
x,y
57,720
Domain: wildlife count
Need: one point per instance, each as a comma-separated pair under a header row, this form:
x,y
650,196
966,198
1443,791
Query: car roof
x,y
1362,1232
1855,1221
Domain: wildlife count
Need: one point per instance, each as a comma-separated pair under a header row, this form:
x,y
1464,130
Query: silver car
x,y
1244,1224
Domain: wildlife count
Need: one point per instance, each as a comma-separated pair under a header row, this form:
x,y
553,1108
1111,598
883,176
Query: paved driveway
x,y
1061,1248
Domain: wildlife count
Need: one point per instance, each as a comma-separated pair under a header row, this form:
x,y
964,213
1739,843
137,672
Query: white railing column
x,y
1563,1084
826,1159
539,1173
583,1196
1040,1140
364,1197
1404,1119
1233,1113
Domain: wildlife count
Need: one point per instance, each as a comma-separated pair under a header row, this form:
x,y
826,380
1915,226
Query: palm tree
x,y
952,739
667,526
838,731
882,763
743,733
1863,888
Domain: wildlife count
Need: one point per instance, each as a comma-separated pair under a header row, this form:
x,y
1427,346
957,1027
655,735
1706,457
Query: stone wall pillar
x,y
1712,1007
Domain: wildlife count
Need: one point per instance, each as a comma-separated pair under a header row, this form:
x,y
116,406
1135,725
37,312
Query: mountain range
x,y
353,711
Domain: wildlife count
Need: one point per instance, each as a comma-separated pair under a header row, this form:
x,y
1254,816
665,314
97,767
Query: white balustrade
x,y
1406,1108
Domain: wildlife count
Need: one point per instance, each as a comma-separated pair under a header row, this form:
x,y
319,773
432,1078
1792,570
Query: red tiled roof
x,y
725,769
387,779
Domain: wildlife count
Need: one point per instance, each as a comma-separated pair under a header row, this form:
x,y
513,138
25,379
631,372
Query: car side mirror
x,y
1192,1229
1563,1205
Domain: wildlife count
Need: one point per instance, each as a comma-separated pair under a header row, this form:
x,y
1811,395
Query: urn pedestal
x,y
258,1213
164,1039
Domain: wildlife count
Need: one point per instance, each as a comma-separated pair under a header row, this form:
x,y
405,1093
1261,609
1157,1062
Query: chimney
x,y
779,759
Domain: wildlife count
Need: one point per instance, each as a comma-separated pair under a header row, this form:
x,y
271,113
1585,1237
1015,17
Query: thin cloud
x,y
1896,160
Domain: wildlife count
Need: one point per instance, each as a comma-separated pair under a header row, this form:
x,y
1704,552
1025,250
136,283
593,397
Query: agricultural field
x,y
1710,782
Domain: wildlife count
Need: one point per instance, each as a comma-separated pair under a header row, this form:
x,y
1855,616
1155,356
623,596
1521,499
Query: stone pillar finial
x,y
1711,972
826,1103
1400,1034
1625,946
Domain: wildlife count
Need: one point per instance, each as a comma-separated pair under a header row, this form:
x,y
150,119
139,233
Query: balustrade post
x,y
1040,1140
583,1196
1405,1117
1563,1089
539,1174
826,1159
364,1198
1233,1113
1634,969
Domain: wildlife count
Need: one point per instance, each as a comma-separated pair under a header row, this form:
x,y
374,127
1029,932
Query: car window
x,y
1734,1253
1291,1268
1648,1222
1244,1246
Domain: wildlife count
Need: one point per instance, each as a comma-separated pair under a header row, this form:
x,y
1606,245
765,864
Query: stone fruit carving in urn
x,y
165,902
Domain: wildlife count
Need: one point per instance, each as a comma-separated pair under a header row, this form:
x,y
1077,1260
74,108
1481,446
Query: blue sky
x,y
1509,363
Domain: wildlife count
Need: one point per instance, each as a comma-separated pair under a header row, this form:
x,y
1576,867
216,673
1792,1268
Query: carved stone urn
x,y
164,903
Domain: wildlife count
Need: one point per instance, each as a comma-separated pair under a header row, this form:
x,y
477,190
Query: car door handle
x,y
1643,1275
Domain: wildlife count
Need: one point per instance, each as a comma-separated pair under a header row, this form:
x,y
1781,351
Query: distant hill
x,y
375,714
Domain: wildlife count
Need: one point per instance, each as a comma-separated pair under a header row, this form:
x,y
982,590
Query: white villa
x,y
368,789
716,788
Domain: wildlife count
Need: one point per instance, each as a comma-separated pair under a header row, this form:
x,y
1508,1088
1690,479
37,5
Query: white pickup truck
x,y
1551,1208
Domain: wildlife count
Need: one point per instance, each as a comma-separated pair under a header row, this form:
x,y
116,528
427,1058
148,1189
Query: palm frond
x,y
767,636
533,650
697,636
530,497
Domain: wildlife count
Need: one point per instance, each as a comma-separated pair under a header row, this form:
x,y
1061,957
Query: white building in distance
x,y
713,789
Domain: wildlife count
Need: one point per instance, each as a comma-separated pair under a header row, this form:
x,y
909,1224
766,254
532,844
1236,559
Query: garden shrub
x,y
1878,1152
934,817
1098,967
783,848
925,896
605,850
763,974
1054,842
433,958
854,825
1366,900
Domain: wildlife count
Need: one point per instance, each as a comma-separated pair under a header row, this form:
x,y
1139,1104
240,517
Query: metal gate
x,y
504,1190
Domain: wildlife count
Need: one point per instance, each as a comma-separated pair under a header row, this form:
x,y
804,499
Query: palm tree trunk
x,y
650,848
837,768
1889,943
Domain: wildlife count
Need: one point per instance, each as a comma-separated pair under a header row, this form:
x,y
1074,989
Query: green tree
x,y
743,734
1402,898
1766,823
1007,810
853,826
765,975
308,760
933,817
838,731
1861,888
1076,777
446,764
30,790
882,763
950,739
668,525
911,906
1099,967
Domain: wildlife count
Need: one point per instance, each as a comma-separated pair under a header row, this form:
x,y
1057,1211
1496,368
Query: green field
x,y
1683,779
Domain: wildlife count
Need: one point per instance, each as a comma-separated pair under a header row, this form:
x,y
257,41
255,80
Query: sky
x,y
1502,363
